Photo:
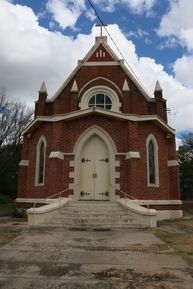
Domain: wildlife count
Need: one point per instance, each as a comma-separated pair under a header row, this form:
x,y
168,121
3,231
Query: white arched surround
x,y
103,90
94,130
156,148
41,140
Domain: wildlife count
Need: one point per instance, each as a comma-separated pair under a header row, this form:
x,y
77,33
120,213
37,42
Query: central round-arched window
x,y
100,100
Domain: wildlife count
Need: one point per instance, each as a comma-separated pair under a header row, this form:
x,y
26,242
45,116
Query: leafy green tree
x,y
185,159
14,116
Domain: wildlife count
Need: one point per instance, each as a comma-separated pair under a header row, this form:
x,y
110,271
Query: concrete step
x,y
93,214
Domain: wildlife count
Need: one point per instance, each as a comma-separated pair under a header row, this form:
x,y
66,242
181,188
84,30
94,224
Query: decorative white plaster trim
x,y
137,208
117,175
56,155
74,87
37,201
100,63
72,163
158,202
71,175
169,214
39,215
71,186
132,155
173,163
100,78
24,163
84,112
117,163
125,86
117,186
101,39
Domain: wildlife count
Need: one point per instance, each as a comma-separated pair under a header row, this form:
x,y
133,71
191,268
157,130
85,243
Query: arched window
x,y
40,161
100,96
152,161
41,164
100,100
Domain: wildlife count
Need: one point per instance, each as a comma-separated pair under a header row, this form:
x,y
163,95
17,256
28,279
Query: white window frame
x,y
156,159
41,140
84,102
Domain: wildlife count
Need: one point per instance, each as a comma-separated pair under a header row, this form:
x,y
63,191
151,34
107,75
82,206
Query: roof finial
x,y
43,87
101,25
158,86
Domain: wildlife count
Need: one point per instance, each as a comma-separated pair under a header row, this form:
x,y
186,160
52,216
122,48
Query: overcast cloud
x,y
30,54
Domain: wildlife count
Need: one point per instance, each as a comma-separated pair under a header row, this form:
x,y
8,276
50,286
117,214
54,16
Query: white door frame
x,y
94,130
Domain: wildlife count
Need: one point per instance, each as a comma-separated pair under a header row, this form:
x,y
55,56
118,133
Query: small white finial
x,y
74,86
125,86
43,87
157,86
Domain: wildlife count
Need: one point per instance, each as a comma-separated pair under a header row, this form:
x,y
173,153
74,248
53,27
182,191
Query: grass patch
x,y
180,238
7,237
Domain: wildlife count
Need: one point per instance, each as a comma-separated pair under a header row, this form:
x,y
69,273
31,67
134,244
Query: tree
x,y
14,116
185,159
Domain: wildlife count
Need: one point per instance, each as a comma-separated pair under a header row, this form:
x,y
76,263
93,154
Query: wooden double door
x,y
94,170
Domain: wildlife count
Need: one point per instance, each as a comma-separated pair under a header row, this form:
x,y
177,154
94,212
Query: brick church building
x,y
100,137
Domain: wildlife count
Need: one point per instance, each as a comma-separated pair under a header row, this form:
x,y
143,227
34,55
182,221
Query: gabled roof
x,y
96,110
109,58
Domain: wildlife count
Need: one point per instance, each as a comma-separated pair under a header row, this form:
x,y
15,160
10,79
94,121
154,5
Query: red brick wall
x,y
127,136
132,101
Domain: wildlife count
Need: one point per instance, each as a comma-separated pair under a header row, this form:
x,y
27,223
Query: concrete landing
x,y
83,259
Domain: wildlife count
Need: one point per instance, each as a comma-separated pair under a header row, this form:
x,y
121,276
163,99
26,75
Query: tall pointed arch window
x,y
152,161
40,161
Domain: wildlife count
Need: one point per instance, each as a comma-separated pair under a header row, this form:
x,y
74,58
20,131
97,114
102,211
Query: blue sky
x,y
42,40
139,27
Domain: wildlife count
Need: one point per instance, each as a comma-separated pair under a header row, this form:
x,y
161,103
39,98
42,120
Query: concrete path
x,y
66,259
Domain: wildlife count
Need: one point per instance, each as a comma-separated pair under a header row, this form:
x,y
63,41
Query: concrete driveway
x,y
54,258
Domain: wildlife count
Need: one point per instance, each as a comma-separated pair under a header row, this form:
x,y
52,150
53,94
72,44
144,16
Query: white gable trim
x,y
97,110
101,63
104,63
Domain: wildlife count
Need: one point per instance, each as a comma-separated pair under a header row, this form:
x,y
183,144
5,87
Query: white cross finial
x,y
101,25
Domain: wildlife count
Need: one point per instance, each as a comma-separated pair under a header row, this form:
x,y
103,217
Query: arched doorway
x,y
94,170
94,166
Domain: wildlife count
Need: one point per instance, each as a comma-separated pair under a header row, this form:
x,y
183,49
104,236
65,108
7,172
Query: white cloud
x,y
183,70
178,22
136,6
66,12
30,54
177,25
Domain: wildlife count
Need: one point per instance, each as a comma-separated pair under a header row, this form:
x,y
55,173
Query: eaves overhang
x,y
90,111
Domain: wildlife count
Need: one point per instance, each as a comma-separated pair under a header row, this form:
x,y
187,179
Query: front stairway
x,y
93,215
